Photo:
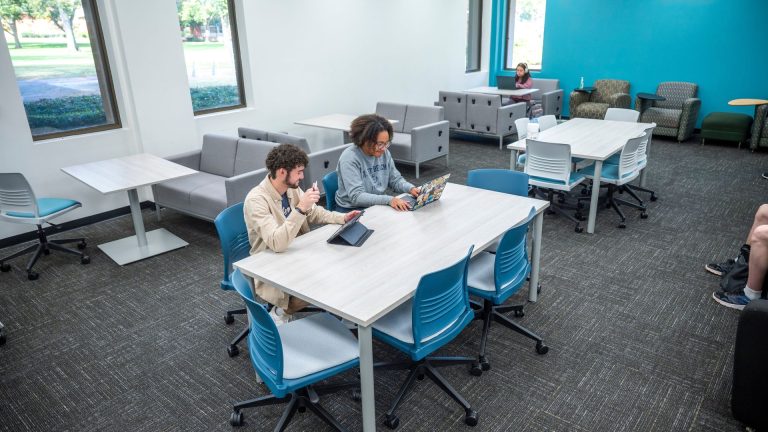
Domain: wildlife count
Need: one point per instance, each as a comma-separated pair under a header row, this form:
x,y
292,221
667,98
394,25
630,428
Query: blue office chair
x,y
291,359
494,278
330,185
233,235
499,180
18,204
438,312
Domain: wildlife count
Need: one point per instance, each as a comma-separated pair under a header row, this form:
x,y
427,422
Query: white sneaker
x,y
279,316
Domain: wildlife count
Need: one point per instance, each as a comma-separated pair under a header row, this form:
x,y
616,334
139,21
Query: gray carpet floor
x,y
637,343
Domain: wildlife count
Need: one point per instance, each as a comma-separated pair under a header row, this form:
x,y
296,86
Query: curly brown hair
x,y
366,129
285,156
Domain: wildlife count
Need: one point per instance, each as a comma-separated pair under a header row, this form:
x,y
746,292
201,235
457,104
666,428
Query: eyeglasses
x,y
382,145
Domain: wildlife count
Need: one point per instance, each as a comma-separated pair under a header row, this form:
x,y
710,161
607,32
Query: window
x,y
61,66
525,33
212,54
474,34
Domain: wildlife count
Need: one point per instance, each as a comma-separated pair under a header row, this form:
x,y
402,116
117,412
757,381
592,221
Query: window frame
x,y
238,67
506,39
108,84
479,47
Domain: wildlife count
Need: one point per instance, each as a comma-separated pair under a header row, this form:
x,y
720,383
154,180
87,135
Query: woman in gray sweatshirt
x,y
366,169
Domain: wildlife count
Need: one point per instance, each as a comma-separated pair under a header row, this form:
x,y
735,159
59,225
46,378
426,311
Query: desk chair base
x,y
420,369
610,201
300,400
487,312
560,206
642,189
44,246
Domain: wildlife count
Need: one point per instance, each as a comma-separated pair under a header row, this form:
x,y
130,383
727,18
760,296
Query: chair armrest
x,y
506,116
688,118
190,159
429,141
619,100
238,186
761,111
576,99
552,102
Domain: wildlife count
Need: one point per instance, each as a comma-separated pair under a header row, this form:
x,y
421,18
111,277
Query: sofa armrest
x,y
761,111
429,141
238,186
619,100
506,116
552,102
688,117
576,99
190,159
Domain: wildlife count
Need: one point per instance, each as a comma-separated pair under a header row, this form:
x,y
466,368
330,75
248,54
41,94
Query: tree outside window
x,y
525,33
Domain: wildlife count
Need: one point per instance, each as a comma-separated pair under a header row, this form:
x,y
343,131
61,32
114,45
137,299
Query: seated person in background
x,y
755,251
276,211
522,81
366,169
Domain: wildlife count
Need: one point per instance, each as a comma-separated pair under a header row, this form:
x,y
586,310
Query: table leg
x,y
513,160
138,221
595,194
533,286
647,153
365,342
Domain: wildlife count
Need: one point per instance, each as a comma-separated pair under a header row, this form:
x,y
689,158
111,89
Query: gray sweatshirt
x,y
363,179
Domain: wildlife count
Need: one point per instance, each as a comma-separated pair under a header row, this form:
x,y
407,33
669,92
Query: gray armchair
x,y
549,96
759,128
676,115
607,94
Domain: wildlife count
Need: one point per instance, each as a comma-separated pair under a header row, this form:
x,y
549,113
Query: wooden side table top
x,y
747,102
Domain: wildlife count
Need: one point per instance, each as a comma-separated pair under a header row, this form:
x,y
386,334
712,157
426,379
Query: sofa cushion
x,y
251,155
289,139
675,94
209,200
250,133
401,146
593,110
392,111
416,115
218,155
175,193
664,117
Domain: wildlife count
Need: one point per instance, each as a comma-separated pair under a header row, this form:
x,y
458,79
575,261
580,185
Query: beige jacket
x,y
268,228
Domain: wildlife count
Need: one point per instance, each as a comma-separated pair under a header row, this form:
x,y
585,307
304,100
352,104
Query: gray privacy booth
x,y
480,113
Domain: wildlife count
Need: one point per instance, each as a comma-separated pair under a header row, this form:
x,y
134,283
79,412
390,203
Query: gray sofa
x,y
480,113
228,168
321,162
549,96
421,133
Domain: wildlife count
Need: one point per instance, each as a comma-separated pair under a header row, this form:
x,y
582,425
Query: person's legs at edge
x,y
761,218
282,316
758,264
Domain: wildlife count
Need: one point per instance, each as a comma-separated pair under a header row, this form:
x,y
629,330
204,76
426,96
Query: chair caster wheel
x,y
584,192
579,217
356,396
475,370
484,364
654,197
622,225
519,313
82,245
229,319
541,348
643,215
5,267
47,252
85,259
471,417
302,409
233,350
32,275
538,288
2,339
236,419
392,422
578,229
420,377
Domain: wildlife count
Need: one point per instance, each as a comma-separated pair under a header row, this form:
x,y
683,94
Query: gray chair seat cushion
x,y
398,323
664,117
210,199
175,193
315,343
401,146
480,275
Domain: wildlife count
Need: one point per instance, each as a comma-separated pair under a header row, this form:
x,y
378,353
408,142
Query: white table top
x,y
363,283
502,92
129,172
589,138
332,121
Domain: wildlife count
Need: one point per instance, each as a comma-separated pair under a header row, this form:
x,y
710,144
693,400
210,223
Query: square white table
x,y
128,174
589,139
502,92
363,283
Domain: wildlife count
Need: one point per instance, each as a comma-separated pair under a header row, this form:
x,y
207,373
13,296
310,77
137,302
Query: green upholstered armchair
x,y
607,94
759,128
676,115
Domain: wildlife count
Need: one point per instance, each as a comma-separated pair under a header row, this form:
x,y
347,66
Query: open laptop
x,y
429,192
505,82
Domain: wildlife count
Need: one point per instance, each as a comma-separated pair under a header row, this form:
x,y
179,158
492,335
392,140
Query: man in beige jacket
x,y
276,211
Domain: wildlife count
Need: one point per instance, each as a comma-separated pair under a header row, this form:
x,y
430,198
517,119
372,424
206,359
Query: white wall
x,y
301,58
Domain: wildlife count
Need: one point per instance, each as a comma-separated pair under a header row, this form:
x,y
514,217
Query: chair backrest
x,y
628,159
250,133
331,185
546,122
622,114
218,154
233,235
544,85
441,302
521,125
455,105
676,93
499,180
605,88
16,194
419,115
511,255
482,112
392,111
282,138
551,161
251,155
263,340
642,149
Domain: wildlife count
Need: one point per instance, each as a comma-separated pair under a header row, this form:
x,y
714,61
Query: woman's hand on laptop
x,y
348,216
415,191
398,204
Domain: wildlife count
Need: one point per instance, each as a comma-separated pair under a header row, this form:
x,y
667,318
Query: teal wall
x,y
721,45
